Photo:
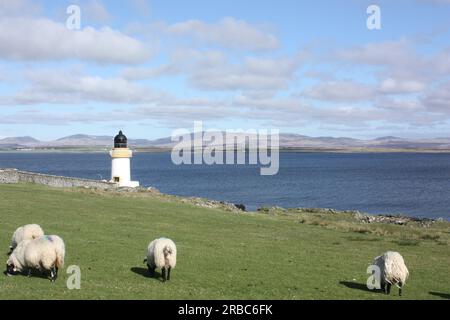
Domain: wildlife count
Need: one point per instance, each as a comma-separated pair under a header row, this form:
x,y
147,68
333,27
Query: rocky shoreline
x,y
361,216
365,218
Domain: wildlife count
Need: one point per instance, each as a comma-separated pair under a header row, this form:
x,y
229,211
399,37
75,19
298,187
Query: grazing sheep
x,y
60,248
161,253
41,254
26,232
393,271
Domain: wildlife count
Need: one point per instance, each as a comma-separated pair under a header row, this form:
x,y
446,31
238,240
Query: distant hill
x,y
287,141
19,141
81,140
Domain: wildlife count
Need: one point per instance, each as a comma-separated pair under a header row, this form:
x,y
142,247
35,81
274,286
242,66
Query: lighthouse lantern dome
x,y
120,141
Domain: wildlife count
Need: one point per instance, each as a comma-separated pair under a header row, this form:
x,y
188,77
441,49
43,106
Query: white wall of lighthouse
x,y
120,170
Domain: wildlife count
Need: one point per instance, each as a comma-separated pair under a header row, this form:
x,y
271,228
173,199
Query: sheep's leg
x,y
383,287
151,270
388,288
53,274
400,289
29,272
163,270
168,273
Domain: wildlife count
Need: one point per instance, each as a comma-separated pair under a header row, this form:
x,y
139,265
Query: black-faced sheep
x,y
39,254
161,253
60,247
393,271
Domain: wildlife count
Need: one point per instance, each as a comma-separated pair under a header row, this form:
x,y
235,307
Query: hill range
x,y
287,141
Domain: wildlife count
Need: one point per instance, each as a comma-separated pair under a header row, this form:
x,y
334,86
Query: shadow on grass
x,y
358,286
440,294
144,272
34,274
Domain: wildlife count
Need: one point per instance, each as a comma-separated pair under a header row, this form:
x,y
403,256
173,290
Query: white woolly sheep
x,y
41,254
393,271
59,246
161,253
26,232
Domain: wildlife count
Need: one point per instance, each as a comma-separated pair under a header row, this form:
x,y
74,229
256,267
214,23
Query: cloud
x,y
173,112
212,70
340,91
10,8
400,104
438,99
228,32
291,112
148,73
396,86
253,74
399,60
71,87
43,39
169,111
396,53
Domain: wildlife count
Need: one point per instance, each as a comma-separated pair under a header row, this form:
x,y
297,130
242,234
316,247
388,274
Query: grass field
x,y
221,255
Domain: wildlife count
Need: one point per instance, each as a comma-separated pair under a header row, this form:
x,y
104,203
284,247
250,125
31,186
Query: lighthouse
x,y
120,162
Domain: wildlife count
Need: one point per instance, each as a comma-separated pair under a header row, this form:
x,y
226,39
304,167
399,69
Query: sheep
x,y
26,232
60,248
393,271
161,253
41,254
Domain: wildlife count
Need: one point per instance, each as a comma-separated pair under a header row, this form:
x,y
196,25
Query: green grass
x,y
221,255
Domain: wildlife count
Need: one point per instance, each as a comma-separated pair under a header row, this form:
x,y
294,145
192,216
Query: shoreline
x,y
364,217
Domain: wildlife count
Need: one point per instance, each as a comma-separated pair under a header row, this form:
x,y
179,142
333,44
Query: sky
x,y
151,67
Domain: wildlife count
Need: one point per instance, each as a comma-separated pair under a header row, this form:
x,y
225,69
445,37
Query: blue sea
x,y
414,184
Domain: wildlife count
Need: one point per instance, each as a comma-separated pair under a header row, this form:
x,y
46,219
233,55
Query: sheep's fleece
x,y
392,267
40,254
26,232
155,253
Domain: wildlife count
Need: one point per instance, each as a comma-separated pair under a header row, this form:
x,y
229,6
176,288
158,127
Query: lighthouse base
x,y
126,184
129,184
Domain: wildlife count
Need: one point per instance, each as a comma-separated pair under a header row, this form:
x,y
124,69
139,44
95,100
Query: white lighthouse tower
x,y
120,162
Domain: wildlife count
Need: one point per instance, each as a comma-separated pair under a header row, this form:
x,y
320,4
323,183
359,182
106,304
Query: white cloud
x,y
170,111
438,99
70,87
228,32
340,91
212,70
397,86
137,73
396,53
252,74
400,104
44,39
10,8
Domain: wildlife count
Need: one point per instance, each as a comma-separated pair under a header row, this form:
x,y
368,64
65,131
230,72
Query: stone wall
x,y
9,176
16,176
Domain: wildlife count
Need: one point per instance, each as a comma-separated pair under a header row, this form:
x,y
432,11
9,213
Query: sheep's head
x,y
10,269
167,251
